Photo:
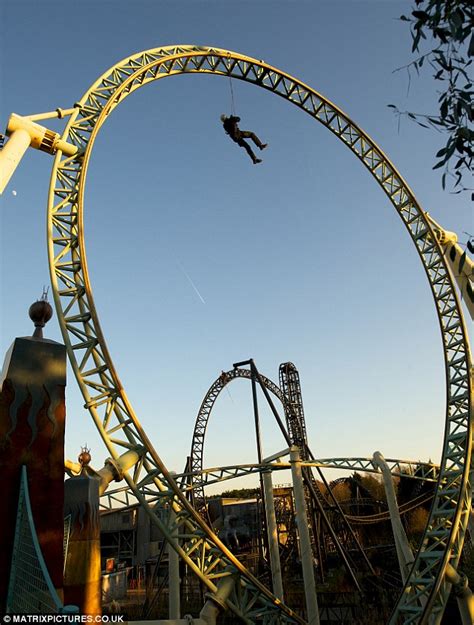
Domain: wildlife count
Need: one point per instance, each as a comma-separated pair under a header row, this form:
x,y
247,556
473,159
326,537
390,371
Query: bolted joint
x,y
461,586
458,580
114,467
445,237
40,137
223,592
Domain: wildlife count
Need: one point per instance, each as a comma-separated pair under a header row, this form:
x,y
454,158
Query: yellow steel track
x,y
107,401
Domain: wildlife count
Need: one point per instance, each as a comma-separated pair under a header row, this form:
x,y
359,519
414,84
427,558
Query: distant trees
x,y
240,493
342,491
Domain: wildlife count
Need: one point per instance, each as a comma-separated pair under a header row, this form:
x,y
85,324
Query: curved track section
x,y
108,403
123,496
289,394
197,445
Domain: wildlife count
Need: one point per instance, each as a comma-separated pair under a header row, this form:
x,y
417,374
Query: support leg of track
x,y
305,542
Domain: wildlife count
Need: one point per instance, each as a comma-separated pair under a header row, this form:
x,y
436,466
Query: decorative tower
x,y
82,576
32,416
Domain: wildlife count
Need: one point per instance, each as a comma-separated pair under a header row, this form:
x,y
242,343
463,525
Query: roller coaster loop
x,y
427,588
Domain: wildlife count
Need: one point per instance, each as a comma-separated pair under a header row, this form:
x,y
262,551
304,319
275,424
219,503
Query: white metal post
x,y
12,154
216,602
305,542
24,132
272,533
404,552
463,594
174,598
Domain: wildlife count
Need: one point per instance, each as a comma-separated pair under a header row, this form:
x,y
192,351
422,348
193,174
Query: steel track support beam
x,y
272,534
216,602
23,133
463,593
174,596
402,546
263,544
309,483
305,541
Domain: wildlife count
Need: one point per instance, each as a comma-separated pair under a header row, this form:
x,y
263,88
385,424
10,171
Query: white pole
x,y
272,533
305,542
23,132
216,602
463,594
12,154
174,598
404,552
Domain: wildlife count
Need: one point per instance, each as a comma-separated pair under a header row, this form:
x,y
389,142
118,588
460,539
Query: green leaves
x,y
470,51
421,16
443,110
449,27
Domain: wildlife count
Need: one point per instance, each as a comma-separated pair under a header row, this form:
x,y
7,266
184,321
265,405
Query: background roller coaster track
x,y
317,502
408,506
107,401
123,496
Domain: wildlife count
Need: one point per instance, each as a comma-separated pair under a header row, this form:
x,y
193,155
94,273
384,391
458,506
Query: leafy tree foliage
x,y
448,25
341,491
240,493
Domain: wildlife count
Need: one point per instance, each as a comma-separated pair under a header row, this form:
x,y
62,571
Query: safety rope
x,y
232,106
232,102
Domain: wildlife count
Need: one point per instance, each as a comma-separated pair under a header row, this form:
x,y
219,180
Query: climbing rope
x,y
232,105
232,102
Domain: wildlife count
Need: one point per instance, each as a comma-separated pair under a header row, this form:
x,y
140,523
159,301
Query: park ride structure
x,y
427,587
294,434
338,607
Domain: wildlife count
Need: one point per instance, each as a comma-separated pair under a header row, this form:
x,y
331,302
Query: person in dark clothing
x,y
232,129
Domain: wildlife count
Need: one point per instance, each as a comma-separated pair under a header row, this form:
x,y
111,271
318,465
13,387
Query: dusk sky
x,y
199,259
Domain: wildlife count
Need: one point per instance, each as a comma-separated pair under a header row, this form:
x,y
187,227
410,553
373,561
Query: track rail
x,y
202,420
107,401
124,497
294,434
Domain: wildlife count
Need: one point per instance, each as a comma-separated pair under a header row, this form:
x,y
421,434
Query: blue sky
x,y
301,258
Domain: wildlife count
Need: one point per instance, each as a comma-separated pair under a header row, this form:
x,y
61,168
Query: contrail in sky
x,y
191,282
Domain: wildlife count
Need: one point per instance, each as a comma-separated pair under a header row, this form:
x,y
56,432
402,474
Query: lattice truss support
x,y
123,497
295,419
200,427
289,394
107,401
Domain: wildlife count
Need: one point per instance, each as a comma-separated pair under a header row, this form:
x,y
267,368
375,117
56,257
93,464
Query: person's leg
x,y
251,135
248,149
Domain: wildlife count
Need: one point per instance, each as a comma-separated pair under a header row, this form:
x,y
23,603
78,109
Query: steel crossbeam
x,y
124,497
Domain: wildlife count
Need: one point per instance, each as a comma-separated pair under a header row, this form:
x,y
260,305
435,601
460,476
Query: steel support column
x,y
305,542
272,534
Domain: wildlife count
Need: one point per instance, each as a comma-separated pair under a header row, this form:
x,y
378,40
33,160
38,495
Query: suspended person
x,y
232,129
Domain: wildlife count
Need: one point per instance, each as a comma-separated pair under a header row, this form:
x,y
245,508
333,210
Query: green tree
x,y
240,493
446,27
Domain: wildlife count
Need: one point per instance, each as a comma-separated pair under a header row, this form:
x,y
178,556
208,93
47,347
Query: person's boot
x,y
257,160
263,146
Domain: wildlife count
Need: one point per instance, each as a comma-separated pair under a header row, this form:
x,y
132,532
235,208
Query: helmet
x,y
223,117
